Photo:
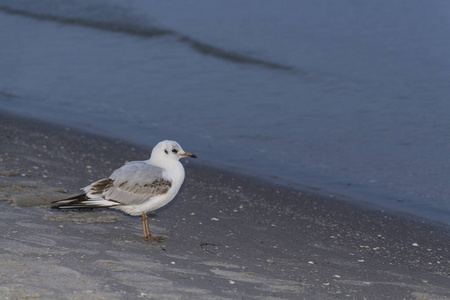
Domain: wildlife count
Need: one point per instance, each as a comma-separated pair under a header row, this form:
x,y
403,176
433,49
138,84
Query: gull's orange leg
x,y
146,228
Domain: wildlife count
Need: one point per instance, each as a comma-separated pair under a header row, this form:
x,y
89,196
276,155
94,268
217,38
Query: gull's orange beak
x,y
187,154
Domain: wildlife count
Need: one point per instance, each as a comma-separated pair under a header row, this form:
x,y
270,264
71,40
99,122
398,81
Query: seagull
x,y
137,187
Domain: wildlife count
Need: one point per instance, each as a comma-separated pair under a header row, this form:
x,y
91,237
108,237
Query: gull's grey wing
x,y
132,184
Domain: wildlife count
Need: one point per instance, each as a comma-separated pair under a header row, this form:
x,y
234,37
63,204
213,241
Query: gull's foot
x,y
154,239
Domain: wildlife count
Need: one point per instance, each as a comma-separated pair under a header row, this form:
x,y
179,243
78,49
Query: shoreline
x,y
229,235
233,170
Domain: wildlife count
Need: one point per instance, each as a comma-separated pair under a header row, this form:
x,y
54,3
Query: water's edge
x,y
267,179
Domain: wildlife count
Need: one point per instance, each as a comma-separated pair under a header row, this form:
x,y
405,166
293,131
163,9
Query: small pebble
x,y
172,262
269,261
214,219
361,260
310,262
232,282
415,245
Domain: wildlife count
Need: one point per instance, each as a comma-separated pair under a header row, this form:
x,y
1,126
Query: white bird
x,y
138,186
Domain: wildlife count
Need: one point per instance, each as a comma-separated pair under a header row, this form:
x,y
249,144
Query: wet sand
x,y
228,236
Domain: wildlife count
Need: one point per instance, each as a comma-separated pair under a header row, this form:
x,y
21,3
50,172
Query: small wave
x,y
108,25
206,49
117,19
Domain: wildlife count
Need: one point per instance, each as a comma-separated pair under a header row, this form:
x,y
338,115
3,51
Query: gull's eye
x,y
174,150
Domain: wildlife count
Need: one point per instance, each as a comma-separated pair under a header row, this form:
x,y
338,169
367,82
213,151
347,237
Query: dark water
x,y
350,98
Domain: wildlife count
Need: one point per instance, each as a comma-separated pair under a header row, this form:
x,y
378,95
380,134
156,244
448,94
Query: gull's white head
x,y
169,150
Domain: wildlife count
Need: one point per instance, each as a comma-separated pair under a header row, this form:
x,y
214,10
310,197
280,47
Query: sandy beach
x,y
228,236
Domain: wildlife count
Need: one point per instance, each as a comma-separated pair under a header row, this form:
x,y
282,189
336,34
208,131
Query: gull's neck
x,y
170,165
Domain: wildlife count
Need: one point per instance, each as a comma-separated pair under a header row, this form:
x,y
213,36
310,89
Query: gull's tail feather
x,y
82,201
